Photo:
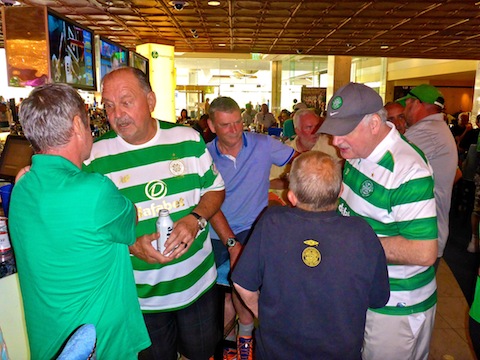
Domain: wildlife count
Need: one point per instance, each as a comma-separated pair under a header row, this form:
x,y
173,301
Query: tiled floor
x,y
450,335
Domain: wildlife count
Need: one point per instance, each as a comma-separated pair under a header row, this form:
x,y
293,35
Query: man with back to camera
x,y
164,165
389,183
244,160
296,275
71,231
428,130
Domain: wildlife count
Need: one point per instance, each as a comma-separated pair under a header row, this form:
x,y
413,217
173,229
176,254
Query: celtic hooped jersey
x,y
171,171
392,190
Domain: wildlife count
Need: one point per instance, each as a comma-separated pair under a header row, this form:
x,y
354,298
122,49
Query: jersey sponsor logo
x,y
154,208
155,189
367,188
343,210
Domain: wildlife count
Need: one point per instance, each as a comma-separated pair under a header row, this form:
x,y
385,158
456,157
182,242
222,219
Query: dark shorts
x,y
193,331
220,250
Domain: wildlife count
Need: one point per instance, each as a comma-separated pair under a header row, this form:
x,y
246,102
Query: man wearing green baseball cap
x,y
428,130
425,94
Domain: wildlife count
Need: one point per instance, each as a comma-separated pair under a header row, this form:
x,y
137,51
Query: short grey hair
x,y
46,116
222,104
139,75
299,114
382,114
316,180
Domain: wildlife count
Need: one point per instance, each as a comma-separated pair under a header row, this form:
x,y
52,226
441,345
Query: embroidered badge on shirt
x,y
177,167
311,256
366,189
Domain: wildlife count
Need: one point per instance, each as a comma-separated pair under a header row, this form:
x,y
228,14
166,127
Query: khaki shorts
x,y
398,337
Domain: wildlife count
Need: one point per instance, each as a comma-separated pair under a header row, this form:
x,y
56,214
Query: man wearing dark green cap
x,y
428,130
388,182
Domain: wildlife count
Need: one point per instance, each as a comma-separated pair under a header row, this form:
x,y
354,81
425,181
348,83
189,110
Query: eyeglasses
x,y
439,102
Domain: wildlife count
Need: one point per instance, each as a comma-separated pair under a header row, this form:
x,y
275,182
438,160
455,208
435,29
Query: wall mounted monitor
x,y
71,53
26,45
111,55
140,62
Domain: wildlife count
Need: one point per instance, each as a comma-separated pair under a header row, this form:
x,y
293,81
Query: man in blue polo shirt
x,y
244,160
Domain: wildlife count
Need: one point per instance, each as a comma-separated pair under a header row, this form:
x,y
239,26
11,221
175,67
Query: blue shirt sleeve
x,y
280,153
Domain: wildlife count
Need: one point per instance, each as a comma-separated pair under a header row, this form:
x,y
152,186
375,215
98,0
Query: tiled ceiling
x,y
411,29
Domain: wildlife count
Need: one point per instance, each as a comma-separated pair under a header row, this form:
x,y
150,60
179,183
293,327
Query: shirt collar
x,y
215,141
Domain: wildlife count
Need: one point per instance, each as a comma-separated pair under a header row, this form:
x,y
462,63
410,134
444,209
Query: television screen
x,y
112,56
139,62
71,53
26,45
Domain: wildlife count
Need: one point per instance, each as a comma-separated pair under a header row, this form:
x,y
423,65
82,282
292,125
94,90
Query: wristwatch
x,y
202,222
231,242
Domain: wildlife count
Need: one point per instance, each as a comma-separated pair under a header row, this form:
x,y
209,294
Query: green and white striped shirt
x,y
171,171
392,190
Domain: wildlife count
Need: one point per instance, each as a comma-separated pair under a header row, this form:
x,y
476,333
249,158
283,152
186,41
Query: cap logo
x,y
337,103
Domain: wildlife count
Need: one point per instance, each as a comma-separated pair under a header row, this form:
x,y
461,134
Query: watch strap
x,y
196,215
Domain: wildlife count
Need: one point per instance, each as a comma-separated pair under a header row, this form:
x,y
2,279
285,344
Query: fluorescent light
x,y
213,3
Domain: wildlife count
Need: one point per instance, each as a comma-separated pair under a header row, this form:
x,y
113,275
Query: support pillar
x,y
339,68
476,94
162,78
276,69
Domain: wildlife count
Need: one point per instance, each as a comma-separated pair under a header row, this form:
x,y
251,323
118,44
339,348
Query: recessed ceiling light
x,y
213,3
384,47
222,45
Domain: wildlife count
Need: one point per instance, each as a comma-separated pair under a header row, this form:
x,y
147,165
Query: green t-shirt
x,y
70,230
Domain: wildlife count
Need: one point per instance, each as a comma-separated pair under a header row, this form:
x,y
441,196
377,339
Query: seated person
x,y
295,273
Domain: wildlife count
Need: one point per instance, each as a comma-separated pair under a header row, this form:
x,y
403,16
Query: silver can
x,y
164,228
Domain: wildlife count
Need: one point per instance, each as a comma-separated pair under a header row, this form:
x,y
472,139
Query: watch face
x,y
202,222
231,242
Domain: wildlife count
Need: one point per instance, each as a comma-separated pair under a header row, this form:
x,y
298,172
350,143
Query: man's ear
x,y
210,125
292,198
151,100
78,126
375,124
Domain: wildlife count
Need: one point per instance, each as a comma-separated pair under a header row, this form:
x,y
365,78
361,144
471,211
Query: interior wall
x,y
457,99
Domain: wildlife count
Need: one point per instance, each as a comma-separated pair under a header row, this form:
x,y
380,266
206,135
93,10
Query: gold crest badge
x,y
311,256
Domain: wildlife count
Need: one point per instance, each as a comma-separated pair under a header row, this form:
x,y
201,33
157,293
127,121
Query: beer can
x,y
164,228
4,238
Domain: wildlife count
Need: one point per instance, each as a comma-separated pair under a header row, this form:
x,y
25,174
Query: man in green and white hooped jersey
x,y
160,165
389,183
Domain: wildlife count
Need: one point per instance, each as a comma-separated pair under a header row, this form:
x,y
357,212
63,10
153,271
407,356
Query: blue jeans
x,y
193,331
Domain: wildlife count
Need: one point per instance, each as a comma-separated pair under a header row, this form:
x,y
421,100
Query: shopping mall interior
x,y
279,52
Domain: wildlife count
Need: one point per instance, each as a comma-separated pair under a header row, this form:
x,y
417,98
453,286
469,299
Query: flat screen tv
x,y
138,61
112,56
71,53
